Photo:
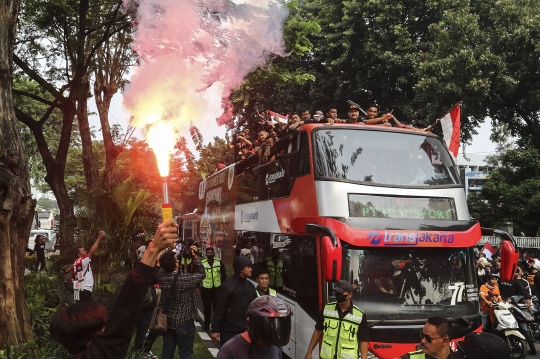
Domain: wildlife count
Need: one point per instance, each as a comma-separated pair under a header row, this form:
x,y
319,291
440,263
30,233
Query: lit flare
x,y
161,139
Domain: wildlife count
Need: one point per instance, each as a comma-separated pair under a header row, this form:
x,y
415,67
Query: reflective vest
x,y
340,338
271,292
419,354
275,272
213,273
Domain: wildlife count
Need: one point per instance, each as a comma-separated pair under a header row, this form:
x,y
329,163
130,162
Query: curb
x,y
205,336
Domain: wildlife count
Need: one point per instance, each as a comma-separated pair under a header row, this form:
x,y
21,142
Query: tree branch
x,y
35,97
36,77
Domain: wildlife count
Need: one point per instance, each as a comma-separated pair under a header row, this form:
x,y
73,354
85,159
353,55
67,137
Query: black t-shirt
x,y
452,355
363,332
508,289
239,348
39,248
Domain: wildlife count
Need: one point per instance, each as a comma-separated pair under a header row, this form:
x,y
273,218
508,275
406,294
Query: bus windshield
x,y
383,157
412,283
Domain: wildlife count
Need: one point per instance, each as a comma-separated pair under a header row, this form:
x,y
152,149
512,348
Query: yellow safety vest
x,y
340,337
275,272
271,292
213,273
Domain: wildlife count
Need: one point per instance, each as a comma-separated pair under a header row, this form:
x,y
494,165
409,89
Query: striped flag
x,y
278,115
489,251
451,130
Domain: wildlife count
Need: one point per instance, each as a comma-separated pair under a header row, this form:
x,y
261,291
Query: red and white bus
x,y
380,207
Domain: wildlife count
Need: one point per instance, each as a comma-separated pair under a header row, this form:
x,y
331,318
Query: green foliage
x,y
513,192
30,263
486,53
32,350
47,204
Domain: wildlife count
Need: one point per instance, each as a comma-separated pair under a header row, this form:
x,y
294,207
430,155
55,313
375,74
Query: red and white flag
x,y
489,251
278,115
451,130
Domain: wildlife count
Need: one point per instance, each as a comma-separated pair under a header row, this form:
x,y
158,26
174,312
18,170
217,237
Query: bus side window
x,y
303,155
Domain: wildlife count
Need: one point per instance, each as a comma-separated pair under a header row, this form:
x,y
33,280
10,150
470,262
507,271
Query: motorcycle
x,y
508,328
525,319
522,303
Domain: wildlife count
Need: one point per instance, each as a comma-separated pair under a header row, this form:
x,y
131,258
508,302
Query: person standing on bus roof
x,y
337,318
275,269
232,303
215,275
435,341
262,280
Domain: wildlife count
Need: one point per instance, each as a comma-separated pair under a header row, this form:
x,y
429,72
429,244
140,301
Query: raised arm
x,y
96,244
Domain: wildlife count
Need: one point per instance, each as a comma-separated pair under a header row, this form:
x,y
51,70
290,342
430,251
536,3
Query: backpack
x,y
67,276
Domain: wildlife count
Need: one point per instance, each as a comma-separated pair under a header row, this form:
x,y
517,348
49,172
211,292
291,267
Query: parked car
x,y
48,236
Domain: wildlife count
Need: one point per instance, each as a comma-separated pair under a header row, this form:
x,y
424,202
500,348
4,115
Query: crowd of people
x,y
249,321
260,137
526,283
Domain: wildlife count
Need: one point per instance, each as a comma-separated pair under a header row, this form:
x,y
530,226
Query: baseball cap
x,y
482,346
343,286
354,108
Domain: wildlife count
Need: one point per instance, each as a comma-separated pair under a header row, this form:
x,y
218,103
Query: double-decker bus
x,y
380,207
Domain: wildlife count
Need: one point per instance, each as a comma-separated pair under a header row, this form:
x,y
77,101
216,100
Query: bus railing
x,y
522,242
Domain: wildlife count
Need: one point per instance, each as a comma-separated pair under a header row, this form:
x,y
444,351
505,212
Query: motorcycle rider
x,y
268,330
489,292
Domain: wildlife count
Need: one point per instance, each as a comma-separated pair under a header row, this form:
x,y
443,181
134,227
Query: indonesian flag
x,y
278,115
489,251
451,130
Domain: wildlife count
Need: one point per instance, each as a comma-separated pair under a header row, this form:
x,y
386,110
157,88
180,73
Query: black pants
x,y
85,296
208,296
41,264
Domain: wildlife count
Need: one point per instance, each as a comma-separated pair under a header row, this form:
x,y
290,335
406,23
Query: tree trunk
x,y
89,165
16,203
111,150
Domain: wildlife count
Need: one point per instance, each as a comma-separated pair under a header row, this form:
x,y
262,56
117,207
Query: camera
x,y
186,248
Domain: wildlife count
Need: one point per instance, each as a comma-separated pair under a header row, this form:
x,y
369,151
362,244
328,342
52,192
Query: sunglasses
x,y
428,338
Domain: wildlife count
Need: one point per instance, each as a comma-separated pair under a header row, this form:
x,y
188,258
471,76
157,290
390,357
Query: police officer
x,y
435,340
274,265
335,320
215,275
262,288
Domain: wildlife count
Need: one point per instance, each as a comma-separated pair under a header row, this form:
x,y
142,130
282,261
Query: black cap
x,y
240,263
482,346
343,286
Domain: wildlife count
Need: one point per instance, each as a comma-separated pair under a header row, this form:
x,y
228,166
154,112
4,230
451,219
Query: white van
x,y
49,237
46,220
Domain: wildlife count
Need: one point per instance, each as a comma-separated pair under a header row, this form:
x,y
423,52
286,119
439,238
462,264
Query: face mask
x,y
340,297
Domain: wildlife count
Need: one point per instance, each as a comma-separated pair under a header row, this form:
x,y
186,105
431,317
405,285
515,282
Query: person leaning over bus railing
x,y
338,318
434,340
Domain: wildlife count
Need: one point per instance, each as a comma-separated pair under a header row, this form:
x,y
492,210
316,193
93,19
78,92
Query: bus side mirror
x,y
331,259
509,261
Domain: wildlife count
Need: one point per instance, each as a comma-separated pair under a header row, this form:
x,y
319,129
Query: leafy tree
x,y
487,54
512,193
15,199
47,204
66,37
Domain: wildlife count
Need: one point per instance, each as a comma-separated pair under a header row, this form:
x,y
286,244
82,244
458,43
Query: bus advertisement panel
x,y
216,212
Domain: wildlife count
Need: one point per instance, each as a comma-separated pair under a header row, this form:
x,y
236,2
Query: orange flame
x,y
161,139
